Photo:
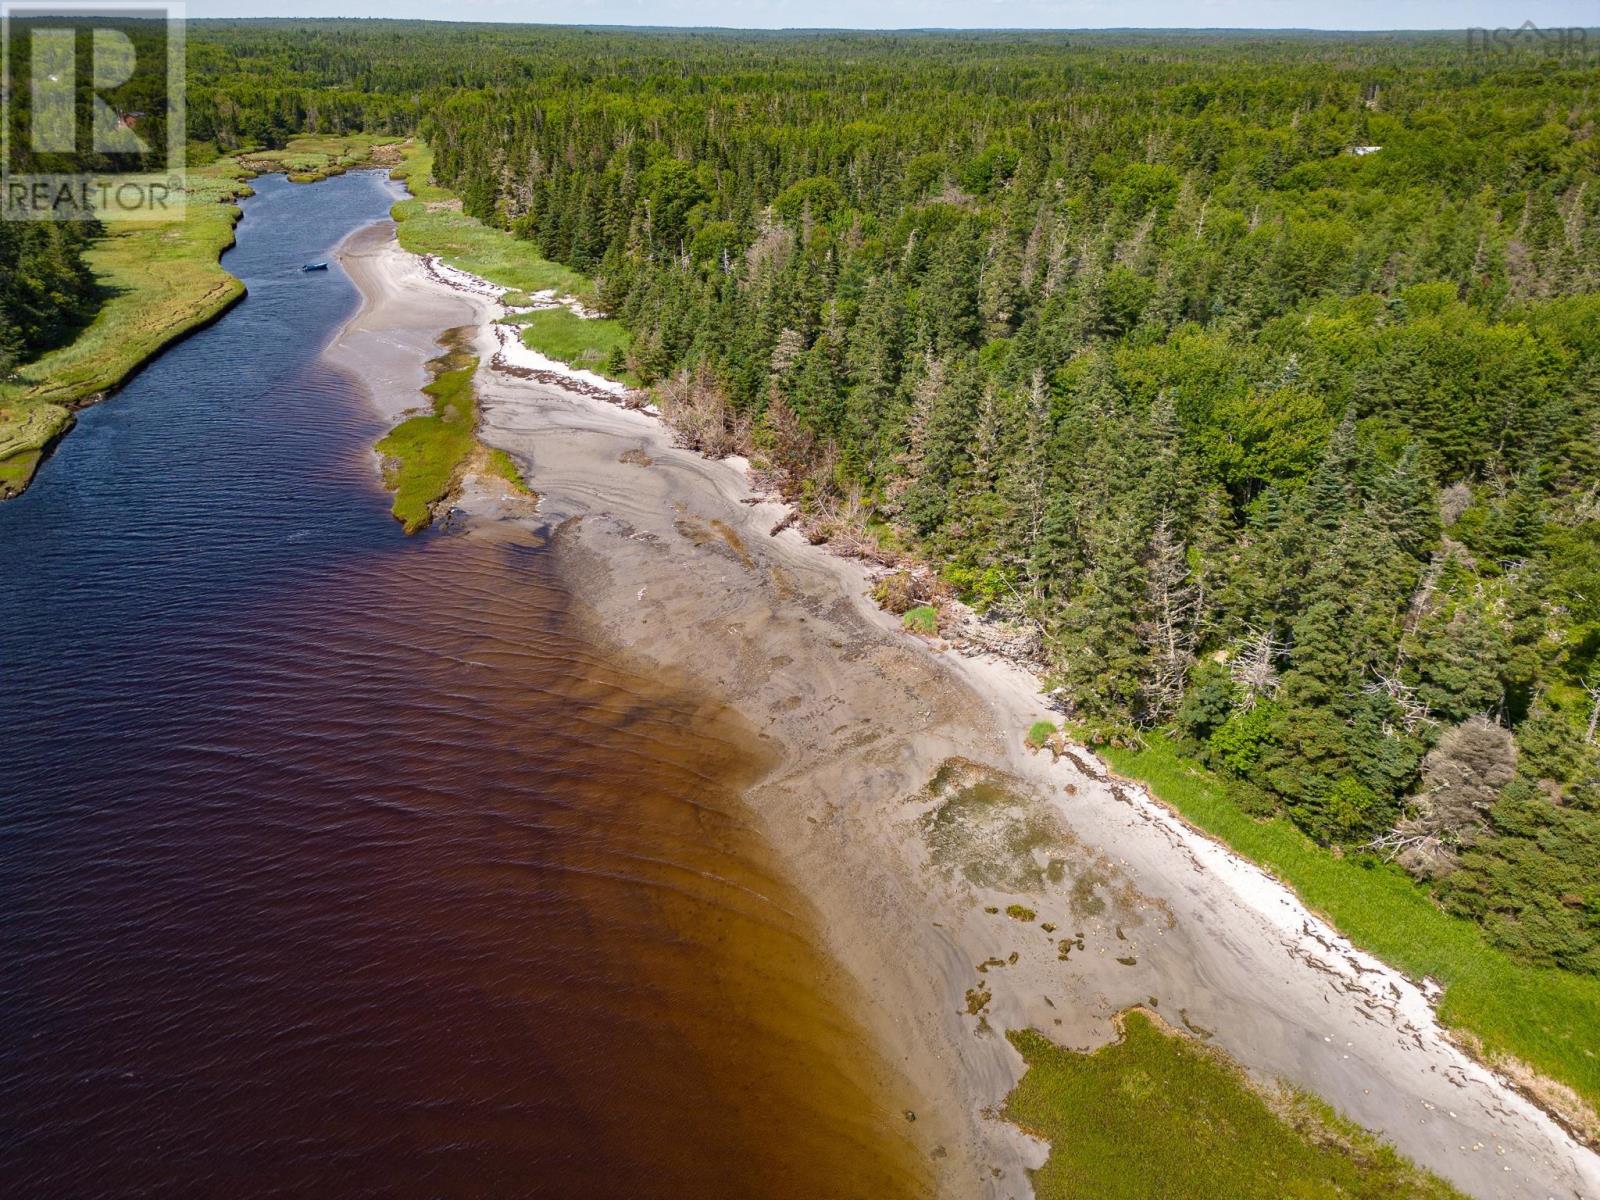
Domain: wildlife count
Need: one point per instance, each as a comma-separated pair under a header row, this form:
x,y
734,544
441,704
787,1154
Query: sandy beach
x,y
876,733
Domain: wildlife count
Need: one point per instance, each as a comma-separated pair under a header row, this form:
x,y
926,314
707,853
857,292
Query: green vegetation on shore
x,y
1547,1018
1156,1114
312,158
432,222
424,456
27,431
156,282
501,465
598,344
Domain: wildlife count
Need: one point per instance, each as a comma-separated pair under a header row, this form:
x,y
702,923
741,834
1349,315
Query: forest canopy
x,y
1256,375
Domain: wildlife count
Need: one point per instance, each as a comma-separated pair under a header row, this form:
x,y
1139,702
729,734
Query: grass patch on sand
x,y
159,280
598,344
1040,733
1547,1018
502,466
432,223
923,619
1156,1114
423,455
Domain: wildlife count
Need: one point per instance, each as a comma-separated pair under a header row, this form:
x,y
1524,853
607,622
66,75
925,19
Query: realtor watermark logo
x,y
91,110
1556,42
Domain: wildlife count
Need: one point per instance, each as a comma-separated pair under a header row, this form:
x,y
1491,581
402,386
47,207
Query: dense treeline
x,y
1260,375
47,290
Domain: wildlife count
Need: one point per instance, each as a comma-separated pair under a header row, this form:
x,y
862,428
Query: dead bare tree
x,y
1254,667
1413,712
699,414
1170,628
1024,485
1592,686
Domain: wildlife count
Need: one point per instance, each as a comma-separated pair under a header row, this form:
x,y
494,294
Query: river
x,y
335,863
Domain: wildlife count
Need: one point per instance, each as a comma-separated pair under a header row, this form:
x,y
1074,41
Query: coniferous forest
x,y
46,287
1258,376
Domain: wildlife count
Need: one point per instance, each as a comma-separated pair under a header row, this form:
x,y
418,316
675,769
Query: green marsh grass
x,y
1157,1114
431,222
317,156
425,454
501,465
591,344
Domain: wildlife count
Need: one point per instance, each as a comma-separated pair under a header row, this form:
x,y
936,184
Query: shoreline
x,y
55,380
795,643
207,311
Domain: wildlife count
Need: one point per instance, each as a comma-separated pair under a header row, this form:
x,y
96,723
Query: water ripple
x,y
333,864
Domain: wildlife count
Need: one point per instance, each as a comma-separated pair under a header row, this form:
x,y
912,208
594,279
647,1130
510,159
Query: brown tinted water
x,y
335,863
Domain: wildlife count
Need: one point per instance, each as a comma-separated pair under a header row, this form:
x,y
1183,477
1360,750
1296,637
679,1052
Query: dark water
x,y
333,864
